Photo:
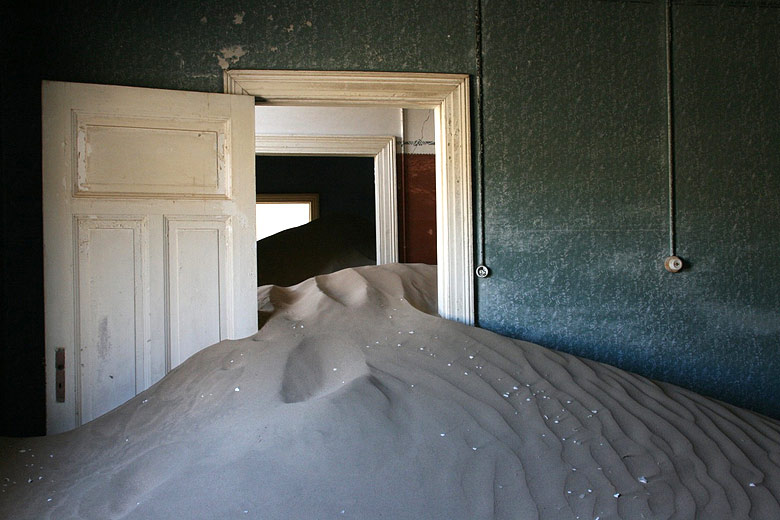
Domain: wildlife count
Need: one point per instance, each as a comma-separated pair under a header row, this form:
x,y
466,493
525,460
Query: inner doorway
x,y
342,235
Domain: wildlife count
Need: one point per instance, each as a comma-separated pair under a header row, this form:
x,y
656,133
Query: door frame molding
x,y
381,148
448,96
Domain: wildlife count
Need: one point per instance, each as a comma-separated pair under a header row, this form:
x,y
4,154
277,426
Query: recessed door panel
x,y
199,285
112,332
151,157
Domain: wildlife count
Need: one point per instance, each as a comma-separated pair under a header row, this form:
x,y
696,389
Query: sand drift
x,y
355,401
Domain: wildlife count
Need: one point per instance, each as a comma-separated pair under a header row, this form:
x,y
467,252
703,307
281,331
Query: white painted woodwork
x,y
289,120
124,170
448,96
198,281
123,156
382,149
111,304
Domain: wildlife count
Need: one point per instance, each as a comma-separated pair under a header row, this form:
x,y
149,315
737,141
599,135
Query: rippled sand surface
x,y
355,401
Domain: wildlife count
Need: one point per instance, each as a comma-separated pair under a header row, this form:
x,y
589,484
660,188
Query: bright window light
x,y
273,218
276,213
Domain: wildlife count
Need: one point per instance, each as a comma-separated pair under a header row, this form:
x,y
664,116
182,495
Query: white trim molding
x,y
448,96
382,149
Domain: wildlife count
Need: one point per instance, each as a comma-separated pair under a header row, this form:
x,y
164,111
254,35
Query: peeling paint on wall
x,y
230,56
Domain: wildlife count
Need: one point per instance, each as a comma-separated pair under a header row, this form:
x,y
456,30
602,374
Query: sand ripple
x,y
355,401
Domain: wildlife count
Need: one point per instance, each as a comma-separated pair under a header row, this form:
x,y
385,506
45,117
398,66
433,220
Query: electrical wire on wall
x,y
482,270
672,263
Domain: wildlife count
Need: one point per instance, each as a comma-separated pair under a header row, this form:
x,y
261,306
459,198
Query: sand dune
x,y
355,401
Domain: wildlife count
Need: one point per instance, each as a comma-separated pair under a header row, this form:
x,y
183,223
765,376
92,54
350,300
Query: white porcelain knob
x,y
673,264
483,271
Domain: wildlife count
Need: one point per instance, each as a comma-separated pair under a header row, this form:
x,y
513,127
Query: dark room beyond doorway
x,y
343,235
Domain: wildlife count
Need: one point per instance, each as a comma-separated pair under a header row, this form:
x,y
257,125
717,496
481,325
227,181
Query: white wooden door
x,y
149,239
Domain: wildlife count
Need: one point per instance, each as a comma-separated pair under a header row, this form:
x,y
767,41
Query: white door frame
x,y
448,96
382,149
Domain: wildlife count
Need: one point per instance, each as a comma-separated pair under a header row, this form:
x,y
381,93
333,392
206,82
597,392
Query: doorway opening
x,y
380,149
448,96
342,235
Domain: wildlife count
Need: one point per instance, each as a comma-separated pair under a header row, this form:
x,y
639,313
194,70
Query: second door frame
x,y
381,148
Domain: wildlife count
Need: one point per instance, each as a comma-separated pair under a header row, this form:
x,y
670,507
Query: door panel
x,y
199,285
112,329
141,156
149,240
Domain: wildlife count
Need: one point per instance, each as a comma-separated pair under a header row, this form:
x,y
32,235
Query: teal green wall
x,y
576,188
574,160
